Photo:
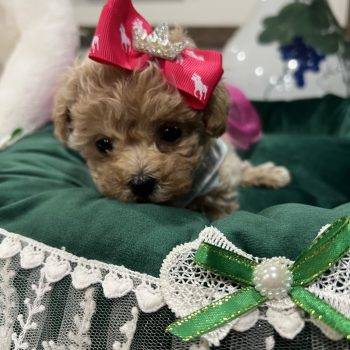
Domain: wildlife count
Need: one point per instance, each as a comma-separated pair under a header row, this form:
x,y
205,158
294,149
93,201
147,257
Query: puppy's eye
x,y
104,145
170,133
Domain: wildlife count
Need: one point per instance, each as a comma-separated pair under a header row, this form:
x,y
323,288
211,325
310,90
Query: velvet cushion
x,y
46,193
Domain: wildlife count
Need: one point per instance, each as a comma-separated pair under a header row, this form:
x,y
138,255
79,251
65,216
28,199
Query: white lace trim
x,y
51,265
34,307
187,287
128,329
9,250
116,281
182,285
8,304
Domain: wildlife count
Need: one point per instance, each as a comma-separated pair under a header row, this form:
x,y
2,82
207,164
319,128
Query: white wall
x,y
190,12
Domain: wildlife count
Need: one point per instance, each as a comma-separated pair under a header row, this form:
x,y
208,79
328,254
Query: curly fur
x,y
97,100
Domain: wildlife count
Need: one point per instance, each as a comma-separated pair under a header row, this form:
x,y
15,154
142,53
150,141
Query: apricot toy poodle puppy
x,y
147,110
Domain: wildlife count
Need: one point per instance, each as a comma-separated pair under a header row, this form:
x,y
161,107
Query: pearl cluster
x,y
157,43
272,278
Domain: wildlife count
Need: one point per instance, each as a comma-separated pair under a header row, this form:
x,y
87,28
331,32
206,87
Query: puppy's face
x,y
140,140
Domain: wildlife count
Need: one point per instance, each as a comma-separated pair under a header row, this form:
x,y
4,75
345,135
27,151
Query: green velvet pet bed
x,y
115,299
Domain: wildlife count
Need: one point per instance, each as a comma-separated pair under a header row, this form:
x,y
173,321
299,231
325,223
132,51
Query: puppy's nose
x,y
142,186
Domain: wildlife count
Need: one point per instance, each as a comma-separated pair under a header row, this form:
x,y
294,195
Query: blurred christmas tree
x,y
307,31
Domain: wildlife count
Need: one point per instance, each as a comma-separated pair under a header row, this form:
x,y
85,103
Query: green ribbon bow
x,y
324,251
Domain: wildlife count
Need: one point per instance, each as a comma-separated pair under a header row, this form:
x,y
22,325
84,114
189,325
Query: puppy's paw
x,y
267,174
277,176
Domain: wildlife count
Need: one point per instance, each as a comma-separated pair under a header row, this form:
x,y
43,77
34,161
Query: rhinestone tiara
x,y
157,43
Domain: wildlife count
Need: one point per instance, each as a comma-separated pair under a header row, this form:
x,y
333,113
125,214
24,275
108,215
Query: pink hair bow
x,y
125,39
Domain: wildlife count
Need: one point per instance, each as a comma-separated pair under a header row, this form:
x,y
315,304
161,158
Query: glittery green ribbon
x,y
324,251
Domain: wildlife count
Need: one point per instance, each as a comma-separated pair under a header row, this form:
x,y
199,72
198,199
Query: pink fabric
x,y
195,73
244,125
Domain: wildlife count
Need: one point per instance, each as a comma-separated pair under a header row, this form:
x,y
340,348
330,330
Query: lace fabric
x,y
53,300
187,287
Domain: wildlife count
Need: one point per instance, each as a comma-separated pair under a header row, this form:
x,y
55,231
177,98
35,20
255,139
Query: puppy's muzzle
x,y
142,186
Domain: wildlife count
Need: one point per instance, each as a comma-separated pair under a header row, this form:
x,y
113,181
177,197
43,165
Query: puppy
x,y
143,143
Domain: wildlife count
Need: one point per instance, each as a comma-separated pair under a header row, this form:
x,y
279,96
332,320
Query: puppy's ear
x,y
64,100
84,78
216,113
